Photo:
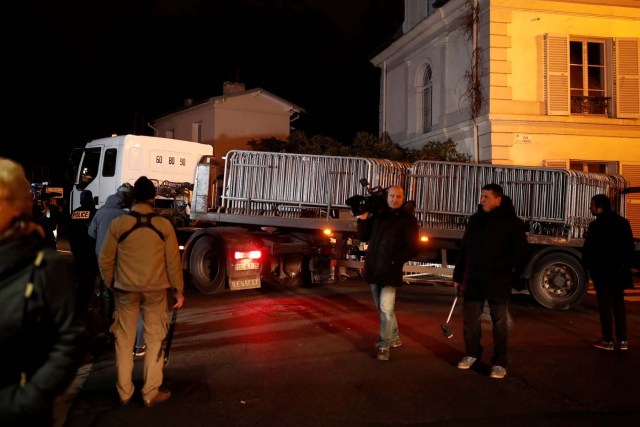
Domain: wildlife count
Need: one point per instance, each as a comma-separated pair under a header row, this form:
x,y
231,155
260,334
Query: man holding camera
x,y
392,235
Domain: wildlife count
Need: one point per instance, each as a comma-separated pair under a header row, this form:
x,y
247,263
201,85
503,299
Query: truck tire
x,y
558,282
208,266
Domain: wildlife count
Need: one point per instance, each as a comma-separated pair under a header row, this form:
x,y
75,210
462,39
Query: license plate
x,y
242,266
244,283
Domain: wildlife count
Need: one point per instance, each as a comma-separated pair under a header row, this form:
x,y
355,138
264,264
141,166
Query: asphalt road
x,y
305,357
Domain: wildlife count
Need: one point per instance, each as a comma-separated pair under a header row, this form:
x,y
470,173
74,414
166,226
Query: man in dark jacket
x,y
41,334
494,248
392,237
83,247
607,255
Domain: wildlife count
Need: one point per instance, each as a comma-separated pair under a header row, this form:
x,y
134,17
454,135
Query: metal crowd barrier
x,y
553,202
300,185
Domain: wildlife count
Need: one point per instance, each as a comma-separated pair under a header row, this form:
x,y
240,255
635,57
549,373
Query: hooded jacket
x,y
393,240
114,206
47,343
493,252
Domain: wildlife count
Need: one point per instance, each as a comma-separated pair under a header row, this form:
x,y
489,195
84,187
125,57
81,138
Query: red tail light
x,y
247,254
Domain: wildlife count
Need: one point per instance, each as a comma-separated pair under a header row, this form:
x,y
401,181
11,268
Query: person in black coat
x,y
493,251
392,237
607,255
41,334
83,247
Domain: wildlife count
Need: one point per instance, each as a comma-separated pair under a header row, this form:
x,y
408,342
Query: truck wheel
x,y
208,265
558,282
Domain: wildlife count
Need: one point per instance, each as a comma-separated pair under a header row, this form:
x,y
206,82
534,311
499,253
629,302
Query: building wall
x,y
513,126
229,122
520,122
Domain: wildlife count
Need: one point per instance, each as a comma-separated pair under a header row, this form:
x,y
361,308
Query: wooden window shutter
x,y
627,63
631,171
556,68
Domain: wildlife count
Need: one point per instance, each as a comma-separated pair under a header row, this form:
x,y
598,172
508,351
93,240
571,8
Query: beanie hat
x,y
143,189
125,188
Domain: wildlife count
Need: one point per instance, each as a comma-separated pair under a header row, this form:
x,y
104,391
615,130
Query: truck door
x,y
96,173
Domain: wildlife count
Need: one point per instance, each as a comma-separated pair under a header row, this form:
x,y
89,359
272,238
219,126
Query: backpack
x,y
142,220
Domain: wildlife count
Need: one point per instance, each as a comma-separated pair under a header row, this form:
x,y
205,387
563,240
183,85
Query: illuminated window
x,y
590,76
587,76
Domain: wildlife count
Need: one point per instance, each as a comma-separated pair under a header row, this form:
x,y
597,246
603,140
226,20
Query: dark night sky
x,y
84,70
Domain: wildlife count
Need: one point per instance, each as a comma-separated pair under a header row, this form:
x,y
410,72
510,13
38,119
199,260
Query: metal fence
x,y
300,185
554,202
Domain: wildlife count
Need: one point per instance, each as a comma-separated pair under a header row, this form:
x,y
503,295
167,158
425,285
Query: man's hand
x,y
179,299
459,287
364,215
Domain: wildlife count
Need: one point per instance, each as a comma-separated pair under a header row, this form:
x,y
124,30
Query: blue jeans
x,y
384,297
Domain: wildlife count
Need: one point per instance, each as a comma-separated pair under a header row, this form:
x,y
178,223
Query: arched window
x,y
427,105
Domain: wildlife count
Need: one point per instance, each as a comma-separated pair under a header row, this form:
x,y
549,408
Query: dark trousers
x,y
612,310
472,311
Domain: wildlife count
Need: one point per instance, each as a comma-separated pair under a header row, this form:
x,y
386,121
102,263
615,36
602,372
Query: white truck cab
x,y
104,164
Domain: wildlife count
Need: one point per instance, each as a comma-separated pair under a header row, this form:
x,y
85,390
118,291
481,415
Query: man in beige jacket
x,y
140,260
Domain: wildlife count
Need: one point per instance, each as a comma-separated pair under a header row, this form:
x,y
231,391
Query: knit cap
x,y
143,189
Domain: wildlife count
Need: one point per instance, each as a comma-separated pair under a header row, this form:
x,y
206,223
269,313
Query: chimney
x,y
232,87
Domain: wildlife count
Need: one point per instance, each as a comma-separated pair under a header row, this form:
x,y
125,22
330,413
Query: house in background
x,y
229,121
519,82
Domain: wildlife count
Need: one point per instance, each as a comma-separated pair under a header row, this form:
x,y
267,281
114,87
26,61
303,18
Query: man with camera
x,y
392,236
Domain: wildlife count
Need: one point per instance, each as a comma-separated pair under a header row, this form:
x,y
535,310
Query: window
x,y
196,129
89,167
109,164
590,76
593,166
587,77
427,105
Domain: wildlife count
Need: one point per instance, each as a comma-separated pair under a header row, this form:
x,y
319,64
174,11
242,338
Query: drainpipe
x,y
476,139
384,97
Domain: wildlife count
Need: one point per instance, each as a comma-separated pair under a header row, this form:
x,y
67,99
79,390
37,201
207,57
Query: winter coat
x,y
113,207
607,252
45,347
492,254
81,243
144,261
393,239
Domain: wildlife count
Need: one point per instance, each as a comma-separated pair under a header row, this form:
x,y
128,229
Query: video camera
x,y
373,203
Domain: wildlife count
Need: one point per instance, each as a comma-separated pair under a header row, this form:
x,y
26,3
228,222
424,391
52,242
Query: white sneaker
x,y
498,372
466,362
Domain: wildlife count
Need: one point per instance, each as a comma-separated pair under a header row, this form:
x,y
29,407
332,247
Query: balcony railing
x,y
590,105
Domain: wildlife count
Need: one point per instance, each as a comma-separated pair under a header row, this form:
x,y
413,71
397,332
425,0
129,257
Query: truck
x,y
293,210
256,216
104,164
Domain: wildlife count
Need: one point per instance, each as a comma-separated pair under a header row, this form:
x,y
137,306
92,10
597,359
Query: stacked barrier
x,y
300,185
554,202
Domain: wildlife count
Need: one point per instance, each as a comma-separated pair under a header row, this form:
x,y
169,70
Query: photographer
x,y
392,234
